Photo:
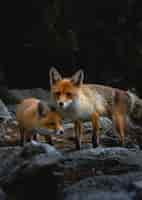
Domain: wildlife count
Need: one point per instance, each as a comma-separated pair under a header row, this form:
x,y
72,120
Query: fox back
x,y
78,100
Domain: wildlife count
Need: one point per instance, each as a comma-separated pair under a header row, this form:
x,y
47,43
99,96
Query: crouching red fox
x,y
33,113
81,102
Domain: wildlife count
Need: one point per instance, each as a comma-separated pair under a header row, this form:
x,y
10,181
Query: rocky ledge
x,y
39,171
31,172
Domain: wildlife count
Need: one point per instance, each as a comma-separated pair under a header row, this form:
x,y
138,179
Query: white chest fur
x,y
83,107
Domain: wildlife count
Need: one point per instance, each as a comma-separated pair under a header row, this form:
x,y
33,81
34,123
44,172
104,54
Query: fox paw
x,y
78,145
94,141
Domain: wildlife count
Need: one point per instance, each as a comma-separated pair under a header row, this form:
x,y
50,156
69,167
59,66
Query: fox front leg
x,y
78,133
119,123
48,139
34,135
96,129
22,136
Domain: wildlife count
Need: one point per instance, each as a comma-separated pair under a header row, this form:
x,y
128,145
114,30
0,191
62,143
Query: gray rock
x,y
138,186
97,195
12,110
31,172
2,195
4,113
112,173
46,148
92,162
9,132
105,123
26,93
133,137
108,138
104,187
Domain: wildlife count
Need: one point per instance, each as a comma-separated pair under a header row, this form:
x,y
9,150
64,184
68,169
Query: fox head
x,y
33,113
65,90
49,118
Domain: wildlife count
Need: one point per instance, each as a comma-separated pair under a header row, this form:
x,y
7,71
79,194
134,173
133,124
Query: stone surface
x,y
138,186
4,113
39,170
104,187
31,172
114,174
2,195
26,93
92,162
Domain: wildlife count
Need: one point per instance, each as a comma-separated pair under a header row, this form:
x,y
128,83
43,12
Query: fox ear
x,y
54,76
78,77
42,109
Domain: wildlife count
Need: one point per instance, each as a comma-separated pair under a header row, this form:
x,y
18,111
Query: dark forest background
x,y
102,37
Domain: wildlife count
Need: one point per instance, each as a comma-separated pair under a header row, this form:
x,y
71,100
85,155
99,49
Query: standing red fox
x,y
33,113
79,102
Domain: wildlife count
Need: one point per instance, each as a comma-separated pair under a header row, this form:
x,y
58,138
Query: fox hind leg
x,y
120,123
22,136
49,140
96,129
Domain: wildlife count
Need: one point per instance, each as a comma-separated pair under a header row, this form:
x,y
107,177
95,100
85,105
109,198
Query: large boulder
x,y
105,188
2,195
101,161
31,172
4,113
103,173
26,93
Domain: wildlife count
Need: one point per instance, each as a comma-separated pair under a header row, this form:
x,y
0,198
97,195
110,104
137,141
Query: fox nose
x,y
61,104
61,132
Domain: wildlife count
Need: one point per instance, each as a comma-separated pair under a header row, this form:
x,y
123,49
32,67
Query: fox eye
x,y
57,93
51,124
69,94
